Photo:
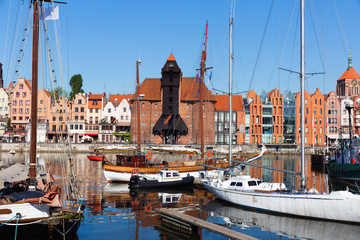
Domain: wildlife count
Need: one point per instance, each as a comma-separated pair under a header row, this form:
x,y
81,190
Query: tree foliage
x,y
58,92
76,83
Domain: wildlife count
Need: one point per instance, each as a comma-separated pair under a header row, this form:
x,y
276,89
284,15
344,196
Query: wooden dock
x,y
177,216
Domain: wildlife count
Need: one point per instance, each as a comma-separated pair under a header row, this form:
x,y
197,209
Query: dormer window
x,y
116,100
95,102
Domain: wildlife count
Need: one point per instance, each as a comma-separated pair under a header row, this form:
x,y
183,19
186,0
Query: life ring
x,y
190,201
149,156
209,153
190,154
148,208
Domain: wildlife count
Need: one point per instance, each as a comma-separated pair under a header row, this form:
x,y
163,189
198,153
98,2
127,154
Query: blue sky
x,y
102,41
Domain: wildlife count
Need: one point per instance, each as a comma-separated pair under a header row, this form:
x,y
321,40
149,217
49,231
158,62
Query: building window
x,y
17,94
124,110
21,86
81,117
95,103
97,110
24,94
91,110
109,110
82,109
41,101
79,101
14,103
76,109
71,126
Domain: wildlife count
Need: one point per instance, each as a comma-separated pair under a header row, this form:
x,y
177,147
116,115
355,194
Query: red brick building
x,y
348,84
255,107
276,100
188,100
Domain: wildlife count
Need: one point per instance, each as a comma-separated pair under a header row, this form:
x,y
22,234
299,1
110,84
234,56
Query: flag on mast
x,y
51,13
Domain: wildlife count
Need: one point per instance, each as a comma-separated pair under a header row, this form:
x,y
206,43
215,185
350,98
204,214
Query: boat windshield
x,y
252,183
176,174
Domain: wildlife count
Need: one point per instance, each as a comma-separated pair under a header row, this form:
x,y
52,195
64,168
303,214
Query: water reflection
x,y
113,212
236,217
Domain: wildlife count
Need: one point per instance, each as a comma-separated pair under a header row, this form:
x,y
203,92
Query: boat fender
x,y
163,163
209,153
149,155
148,208
190,201
190,154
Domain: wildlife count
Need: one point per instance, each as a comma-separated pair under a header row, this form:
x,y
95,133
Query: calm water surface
x,y
113,212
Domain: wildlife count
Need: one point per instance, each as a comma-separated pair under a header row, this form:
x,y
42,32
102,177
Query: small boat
x,y
167,178
95,157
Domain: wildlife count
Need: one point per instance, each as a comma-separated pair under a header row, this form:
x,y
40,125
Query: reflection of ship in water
x,y
288,226
136,208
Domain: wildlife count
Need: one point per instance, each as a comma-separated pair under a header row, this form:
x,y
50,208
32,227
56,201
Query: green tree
x,y
57,92
76,83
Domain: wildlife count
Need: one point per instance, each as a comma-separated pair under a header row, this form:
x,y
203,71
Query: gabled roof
x,y
98,97
222,103
119,97
28,84
350,73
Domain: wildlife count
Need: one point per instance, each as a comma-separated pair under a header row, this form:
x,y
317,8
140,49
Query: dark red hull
x,y
95,158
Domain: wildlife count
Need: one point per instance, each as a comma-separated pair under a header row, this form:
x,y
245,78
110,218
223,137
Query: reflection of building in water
x,y
290,163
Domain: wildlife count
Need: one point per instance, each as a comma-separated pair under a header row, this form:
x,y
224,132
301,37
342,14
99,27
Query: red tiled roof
x,y
28,84
222,103
350,74
95,96
171,57
151,88
11,85
119,97
190,91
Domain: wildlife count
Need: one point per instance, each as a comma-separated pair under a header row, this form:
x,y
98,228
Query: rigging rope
x,y
261,45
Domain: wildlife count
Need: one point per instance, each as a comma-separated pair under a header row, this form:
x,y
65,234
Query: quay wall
x,y
86,148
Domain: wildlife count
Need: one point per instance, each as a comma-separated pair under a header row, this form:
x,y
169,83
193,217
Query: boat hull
x,y
349,172
123,174
95,158
338,206
186,181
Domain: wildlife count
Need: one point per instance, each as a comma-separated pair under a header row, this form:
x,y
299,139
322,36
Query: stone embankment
x,y
86,148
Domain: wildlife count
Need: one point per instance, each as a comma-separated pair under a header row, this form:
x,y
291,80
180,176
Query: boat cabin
x,y
247,183
169,175
135,161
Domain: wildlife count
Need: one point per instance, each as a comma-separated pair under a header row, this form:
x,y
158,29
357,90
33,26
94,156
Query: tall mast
x,y
138,105
201,82
302,86
231,60
34,88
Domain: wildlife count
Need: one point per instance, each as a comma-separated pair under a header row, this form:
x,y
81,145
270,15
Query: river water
x,y
113,212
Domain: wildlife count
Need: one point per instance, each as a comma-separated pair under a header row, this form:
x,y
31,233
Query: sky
x,y
103,40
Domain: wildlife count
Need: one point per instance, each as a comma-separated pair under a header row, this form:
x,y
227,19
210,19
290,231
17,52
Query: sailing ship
x,y
33,207
335,206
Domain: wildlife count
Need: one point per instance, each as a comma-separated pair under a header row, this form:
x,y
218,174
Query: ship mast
x,y
34,88
138,106
231,60
302,87
201,82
